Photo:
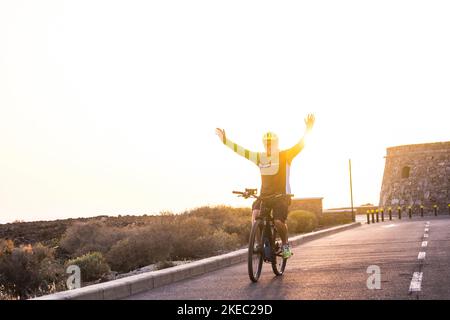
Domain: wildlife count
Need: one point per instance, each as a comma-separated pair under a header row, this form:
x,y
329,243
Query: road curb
x,y
125,287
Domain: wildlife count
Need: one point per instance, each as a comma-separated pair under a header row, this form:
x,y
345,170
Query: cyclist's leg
x,y
282,230
280,212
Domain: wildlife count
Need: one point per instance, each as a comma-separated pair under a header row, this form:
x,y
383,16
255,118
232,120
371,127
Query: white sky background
x,y
109,107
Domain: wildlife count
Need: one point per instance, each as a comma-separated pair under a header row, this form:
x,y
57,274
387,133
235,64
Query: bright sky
x,y
109,107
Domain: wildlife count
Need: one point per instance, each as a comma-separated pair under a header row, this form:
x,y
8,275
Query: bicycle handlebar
x,y
277,195
252,193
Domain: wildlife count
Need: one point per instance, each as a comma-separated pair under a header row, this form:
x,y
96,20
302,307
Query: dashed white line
x,y
416,282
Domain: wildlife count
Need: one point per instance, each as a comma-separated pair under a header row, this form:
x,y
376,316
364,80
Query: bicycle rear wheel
x,y
278,262
255,251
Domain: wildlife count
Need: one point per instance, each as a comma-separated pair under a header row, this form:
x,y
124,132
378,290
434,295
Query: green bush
x,y
92,266
334,218
27,270
300,221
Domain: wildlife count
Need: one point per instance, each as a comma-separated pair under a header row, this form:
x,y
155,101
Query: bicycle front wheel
x,y
255,251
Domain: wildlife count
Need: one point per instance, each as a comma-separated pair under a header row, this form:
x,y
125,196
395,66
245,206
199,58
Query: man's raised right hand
x,y
220,133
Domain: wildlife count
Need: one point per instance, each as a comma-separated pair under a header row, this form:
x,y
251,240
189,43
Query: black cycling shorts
x,y
279,206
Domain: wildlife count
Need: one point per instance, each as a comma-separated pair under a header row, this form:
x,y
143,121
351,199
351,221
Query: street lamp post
x,y
351,188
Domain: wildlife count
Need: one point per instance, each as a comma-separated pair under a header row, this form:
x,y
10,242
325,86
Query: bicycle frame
x,y
268,221
268,240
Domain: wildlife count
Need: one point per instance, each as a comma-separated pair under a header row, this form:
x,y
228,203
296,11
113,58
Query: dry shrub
x,y
92,236
142,247
178,238
334,218
300,221
229,219
27,270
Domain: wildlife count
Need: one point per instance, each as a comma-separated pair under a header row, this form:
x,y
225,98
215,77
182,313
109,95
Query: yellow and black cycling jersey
x,y
274,166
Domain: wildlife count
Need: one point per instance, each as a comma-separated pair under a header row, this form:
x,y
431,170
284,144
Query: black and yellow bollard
x,y
390,213
376,212
399,211
448,208
368,216
410,212
382,214
421,211
435,208
373,215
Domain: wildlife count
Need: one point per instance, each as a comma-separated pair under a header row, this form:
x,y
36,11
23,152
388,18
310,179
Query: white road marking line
x,y
390,226
421,255
425,235
426,229
424,243
416,282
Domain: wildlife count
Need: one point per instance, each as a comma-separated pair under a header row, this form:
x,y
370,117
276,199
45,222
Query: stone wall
x,y
308,204
417,175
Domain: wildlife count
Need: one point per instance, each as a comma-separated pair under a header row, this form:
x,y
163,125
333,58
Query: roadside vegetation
x,y
35,255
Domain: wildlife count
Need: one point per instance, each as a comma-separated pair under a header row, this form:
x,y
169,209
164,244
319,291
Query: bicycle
x,y
270,247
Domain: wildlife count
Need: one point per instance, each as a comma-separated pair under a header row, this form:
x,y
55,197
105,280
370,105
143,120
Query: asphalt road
x,y
335,267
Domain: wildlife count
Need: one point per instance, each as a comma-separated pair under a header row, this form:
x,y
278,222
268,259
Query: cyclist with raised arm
x,y
274,165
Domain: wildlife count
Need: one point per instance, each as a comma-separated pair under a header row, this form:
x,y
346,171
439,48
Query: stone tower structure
x,y
417,174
